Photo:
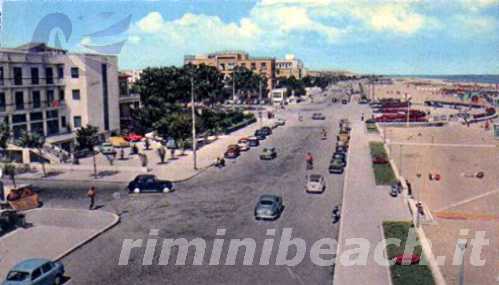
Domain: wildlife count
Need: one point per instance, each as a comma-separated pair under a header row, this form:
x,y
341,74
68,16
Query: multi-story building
x,y
290,66
227,60
52,92
128,102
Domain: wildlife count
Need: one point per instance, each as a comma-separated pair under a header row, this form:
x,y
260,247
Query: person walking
x,y
91,195
362,117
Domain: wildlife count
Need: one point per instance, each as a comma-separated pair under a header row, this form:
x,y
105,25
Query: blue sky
x,y
379,36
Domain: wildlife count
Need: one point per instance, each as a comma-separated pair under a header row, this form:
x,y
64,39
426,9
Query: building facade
x,y
290,66
132,75
226,61
128,102
52,92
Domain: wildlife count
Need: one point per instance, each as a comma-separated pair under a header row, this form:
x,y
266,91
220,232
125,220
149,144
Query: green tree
x,y
35,141
86,138
5,135
208,83
246,81
293,85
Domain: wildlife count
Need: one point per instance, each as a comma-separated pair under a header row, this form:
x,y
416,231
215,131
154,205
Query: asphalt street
x,y
218,199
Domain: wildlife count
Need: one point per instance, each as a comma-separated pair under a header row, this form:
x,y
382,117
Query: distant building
x,y
52,92
227,60
290,66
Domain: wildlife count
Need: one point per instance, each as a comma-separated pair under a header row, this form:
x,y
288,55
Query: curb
x,y
199,171
81,244
340,235
383,240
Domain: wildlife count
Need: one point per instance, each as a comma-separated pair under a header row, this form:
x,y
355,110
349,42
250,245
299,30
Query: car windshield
x,y
17,276
315,178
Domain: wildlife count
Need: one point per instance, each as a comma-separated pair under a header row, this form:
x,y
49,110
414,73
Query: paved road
x,y
219,200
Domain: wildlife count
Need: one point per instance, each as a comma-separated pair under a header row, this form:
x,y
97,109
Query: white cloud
x,y
152,23
476,5
392,17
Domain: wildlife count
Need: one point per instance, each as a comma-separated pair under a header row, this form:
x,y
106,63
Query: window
x,y
49,74
37,127
1,75
77,121
253,65
35,77
76,94
19,118
36,99
263,64
18,130
47,267
61,95
18,76
60,72
50,98
36,274
63,121
75,72
19,100
2,102
36,116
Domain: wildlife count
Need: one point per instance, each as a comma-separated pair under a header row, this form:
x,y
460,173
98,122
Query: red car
x,y
134,137
233,151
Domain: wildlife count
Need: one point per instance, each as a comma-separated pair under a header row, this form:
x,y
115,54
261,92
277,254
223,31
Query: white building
x,y
289,66
279,96
53,92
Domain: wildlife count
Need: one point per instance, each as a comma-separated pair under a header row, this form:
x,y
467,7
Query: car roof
x,y
29,265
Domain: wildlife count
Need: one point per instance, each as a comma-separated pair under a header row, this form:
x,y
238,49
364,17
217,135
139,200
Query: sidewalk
x,y
176,170
365,207
52,234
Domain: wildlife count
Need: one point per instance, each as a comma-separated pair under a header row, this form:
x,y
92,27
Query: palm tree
x,y
36,141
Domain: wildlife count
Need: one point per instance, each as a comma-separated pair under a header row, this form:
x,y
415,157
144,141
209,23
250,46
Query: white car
x,y
315,184
244,146
281,122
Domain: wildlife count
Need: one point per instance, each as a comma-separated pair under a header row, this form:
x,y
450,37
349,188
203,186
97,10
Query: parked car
x,y
266,130
268,153
253,142
269,207
318,116
341,149
243,140
336,166
133,137
233,151
260,135
340,157
118,142
344,101
107,149
244,146
315,184
150,183
36,271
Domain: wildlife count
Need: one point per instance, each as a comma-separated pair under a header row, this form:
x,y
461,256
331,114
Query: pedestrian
x,y
91,195
222,162
362,117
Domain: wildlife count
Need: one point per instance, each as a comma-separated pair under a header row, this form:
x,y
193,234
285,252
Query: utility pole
x,y
194,140
408,109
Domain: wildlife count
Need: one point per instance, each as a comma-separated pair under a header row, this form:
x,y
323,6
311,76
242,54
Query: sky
x,y
378,36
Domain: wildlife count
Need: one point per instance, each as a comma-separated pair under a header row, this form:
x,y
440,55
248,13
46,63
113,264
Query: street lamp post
x,y
194,141
233,87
